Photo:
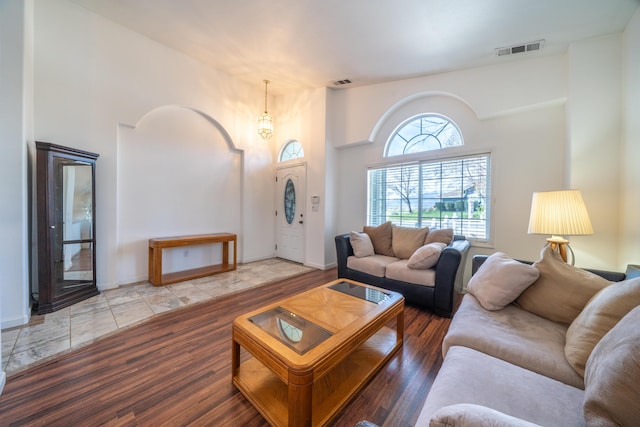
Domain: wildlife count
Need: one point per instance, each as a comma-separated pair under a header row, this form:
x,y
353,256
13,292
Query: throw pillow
x,y
381,238
597,318
426,256
500,280
361,244
406,240
445,236
471,415
561,291
612,375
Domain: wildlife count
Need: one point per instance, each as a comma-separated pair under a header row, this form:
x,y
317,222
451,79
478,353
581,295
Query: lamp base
x,y
560,245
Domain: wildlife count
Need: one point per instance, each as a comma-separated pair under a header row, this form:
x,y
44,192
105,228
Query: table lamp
x,y
559,213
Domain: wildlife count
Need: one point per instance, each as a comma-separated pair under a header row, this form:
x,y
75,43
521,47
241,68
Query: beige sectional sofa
x,y
517,353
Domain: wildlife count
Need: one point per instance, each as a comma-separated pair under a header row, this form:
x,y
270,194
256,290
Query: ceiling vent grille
x,y
520,48
341,82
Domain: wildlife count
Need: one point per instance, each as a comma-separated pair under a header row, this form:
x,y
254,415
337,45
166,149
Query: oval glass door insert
x,y
289,201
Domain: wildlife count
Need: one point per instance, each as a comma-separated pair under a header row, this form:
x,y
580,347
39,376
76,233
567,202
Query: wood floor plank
x,y
175,369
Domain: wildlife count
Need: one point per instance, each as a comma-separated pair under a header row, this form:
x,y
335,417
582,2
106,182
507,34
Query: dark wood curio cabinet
x,y
66,201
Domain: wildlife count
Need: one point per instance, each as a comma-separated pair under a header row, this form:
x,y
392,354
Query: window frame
x,y
400,161
284,148
441,155
412,119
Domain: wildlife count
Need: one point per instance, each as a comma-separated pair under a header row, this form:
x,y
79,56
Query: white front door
x,y
290,213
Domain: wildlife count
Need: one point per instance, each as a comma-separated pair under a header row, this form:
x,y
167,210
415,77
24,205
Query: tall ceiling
x,y
299,44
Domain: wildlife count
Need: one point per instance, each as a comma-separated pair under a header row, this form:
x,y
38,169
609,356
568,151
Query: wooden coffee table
x,y
307,355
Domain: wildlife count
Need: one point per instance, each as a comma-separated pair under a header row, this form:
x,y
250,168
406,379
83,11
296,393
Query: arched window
x,y
291,150
423,133
423,191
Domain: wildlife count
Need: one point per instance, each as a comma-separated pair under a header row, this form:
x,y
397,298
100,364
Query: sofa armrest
x,y
449,272
343,251
612,276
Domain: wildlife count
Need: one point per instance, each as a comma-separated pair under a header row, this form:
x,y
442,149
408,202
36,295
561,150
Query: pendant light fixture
x,y
265,122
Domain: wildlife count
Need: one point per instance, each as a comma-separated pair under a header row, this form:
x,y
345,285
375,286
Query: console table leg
x,y
156,277
151,264
225,253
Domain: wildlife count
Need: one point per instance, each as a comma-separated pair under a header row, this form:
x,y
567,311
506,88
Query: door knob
x,y
300,222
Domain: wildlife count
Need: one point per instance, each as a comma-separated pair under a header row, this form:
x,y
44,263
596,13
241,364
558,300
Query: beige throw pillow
x,y
600,314
499,281
381,238
612,375
561,291
471,415
445,236
361,244
426,256
406,240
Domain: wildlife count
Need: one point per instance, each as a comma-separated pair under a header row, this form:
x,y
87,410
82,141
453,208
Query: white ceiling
x,y
300,44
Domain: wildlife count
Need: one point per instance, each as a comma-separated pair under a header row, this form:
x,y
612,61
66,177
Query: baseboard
x,y
250,260
320,266
5,324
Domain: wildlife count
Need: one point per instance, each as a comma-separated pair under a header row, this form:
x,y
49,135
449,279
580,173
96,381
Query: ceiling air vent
x,y
520,48
341,82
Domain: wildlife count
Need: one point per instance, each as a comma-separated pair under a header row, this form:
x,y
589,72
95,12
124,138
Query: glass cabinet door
x,y
66,226
73,232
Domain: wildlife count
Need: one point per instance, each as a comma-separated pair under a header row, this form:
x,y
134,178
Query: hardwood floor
x,y
176,370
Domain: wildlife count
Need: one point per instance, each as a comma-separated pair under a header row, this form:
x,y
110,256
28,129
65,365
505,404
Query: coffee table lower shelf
x,y
330,393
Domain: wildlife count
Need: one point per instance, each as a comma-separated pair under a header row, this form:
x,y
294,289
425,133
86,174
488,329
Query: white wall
x,y
15,131
630,152
177,175
16,105
490,91
594,133
303,116
521,110
92,75
550,123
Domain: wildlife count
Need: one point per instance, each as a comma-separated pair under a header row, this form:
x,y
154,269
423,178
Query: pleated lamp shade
x,y
560,213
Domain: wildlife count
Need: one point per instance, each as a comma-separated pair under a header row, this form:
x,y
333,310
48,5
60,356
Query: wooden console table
x,y
155,257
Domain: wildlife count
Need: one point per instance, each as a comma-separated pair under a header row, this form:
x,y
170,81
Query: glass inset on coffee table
x,y
364,292
292,330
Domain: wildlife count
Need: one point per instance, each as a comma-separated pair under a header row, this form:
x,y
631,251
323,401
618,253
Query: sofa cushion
x,y
612,376
469,376
500,280
468,415
444,236
600,314
375,265
561,291
400,271
406,240
426,256
361,244
380,238
513,335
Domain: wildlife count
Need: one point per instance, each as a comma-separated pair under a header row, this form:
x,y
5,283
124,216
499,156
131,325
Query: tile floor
x,y
52,334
